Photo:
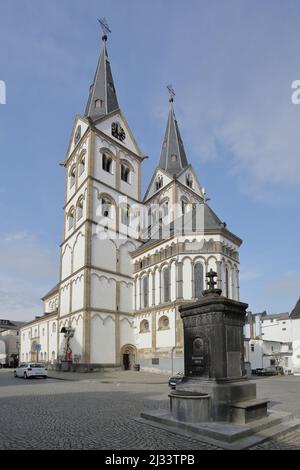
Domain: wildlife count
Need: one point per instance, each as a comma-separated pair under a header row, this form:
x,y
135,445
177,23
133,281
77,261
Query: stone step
x,y
226,435
244,412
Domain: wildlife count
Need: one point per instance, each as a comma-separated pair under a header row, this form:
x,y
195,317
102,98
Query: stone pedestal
x,y
66,366
215,399
214,356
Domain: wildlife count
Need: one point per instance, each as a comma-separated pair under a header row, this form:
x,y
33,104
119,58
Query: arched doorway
x,y
128,357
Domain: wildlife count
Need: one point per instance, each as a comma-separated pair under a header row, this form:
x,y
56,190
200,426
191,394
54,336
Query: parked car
x,y
31,369
267,371
176,379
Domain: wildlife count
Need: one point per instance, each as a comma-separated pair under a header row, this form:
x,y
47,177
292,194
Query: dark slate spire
x,y
102,98
172,158
296,311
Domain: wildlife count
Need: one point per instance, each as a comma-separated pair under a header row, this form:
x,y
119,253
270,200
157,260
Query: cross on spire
x,y
105,28
172,158
102,95
171,93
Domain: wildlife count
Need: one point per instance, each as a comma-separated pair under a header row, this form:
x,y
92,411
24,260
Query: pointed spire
x,y
102,97
172,157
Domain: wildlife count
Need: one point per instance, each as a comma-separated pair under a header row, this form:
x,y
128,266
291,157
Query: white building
x,y
283,329
295,317
264,353
128,262
9,342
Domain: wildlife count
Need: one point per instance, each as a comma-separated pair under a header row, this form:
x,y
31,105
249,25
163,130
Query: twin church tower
x,y
128,262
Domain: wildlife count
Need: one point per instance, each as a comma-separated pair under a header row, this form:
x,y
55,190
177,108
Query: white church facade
x,y
127,262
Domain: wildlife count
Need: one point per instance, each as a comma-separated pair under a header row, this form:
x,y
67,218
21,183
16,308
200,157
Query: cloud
x,y
234,95
27,270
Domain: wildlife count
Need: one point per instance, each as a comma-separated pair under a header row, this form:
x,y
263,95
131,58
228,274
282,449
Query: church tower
x,y
174,185
103,189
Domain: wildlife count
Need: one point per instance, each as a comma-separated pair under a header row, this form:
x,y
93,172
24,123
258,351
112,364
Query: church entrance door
x,y
128,356
126,363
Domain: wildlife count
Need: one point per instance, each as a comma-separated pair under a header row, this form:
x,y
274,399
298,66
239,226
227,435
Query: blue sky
x,y
231,65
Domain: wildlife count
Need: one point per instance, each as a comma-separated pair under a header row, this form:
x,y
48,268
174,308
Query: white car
x,y
31,369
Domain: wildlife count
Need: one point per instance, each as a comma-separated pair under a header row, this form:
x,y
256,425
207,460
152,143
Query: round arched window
x,y
163,323
144,326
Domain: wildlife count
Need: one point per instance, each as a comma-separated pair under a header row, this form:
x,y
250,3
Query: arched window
x,y
53,327
125,172
163,323
72,176
81,166
106,207
144,326
198,280
189,180
125,215
164,209
166,284
106,163
184,205
80,208
145,288
158,182
71,218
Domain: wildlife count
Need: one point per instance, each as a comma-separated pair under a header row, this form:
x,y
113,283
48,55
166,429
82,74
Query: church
x,y
127,261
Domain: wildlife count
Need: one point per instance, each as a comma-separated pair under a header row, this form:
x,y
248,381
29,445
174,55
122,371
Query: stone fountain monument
x,y
215,400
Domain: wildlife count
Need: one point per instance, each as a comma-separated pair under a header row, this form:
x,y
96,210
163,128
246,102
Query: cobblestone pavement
x,y
90,414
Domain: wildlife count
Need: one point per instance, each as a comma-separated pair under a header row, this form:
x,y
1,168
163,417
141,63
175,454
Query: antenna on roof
x,y
171,93
105,28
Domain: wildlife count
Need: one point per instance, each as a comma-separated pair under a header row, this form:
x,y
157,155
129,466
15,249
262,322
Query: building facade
x,y
264,331
9,342
127,262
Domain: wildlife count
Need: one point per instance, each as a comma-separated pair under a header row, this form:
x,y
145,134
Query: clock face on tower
x,y
117,131
77,135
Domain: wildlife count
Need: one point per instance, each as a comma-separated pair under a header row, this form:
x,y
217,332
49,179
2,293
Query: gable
x,y
166,179
197,188
79,128
105,125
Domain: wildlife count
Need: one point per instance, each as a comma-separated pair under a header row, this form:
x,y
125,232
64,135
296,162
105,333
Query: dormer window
x,y
173,158
189,181
159,183
125,172
106,163
98,103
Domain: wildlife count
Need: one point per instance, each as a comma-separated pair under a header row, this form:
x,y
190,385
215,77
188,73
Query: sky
x,y
231,64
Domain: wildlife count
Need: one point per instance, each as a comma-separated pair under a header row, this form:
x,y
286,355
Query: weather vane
x,y
171,93
105,28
